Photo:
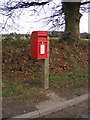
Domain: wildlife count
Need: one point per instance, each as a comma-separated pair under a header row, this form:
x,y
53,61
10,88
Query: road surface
x,y
76,111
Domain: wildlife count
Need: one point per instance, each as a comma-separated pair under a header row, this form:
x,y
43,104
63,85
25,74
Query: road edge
x,y
53,108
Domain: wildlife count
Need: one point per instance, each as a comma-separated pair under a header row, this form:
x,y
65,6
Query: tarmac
x,y
54,104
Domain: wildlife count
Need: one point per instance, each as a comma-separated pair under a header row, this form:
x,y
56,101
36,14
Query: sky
x,y
27,24
84,23
27,27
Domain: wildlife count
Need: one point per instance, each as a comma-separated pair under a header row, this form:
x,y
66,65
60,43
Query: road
x,y
76,111
79,110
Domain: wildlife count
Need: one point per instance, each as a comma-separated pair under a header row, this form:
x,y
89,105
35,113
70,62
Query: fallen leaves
x,y
18,63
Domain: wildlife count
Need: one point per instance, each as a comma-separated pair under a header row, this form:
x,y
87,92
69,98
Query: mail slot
x,y
39,44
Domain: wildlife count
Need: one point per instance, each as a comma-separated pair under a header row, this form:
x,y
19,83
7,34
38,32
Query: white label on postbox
x,y
42,49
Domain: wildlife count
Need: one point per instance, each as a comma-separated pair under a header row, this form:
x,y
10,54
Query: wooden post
x,y
45,70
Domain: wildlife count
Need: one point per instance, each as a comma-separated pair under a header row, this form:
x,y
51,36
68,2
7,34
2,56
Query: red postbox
x,y
39,44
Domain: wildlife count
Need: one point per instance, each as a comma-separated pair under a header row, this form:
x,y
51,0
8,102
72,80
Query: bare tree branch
x,y
14,9
26,5
83,3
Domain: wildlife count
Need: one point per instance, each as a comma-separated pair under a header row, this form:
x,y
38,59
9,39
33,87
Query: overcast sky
x,y
27,24
84,23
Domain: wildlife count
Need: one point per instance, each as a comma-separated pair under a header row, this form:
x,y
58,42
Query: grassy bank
x,y
21,75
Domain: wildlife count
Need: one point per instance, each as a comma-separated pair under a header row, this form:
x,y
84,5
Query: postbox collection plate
x,y
42,49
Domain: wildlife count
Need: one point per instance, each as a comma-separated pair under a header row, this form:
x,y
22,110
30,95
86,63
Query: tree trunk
x,y
72,20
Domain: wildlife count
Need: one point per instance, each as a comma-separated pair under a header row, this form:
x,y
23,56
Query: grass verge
x,y
76,79
22,74
18,90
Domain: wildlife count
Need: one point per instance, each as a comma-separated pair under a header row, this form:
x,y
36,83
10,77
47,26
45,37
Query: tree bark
x,y
72,20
